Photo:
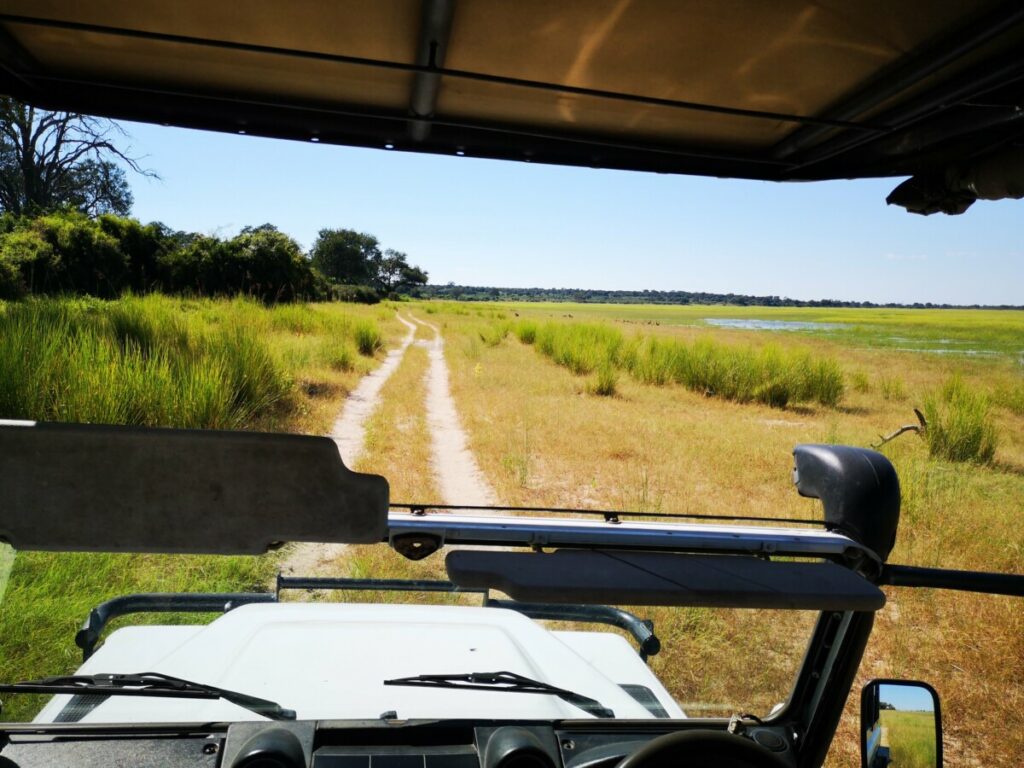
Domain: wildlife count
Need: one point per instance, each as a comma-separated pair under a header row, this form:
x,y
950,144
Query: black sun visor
x,y
76,487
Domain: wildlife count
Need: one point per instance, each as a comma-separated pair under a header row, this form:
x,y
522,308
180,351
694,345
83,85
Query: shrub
x,y
356,294
492,335
367,337
606,382
525,330
860,381
11,284
960,425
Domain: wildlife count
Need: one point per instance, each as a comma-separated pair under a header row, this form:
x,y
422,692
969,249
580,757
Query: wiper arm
x,y
147,684
504,681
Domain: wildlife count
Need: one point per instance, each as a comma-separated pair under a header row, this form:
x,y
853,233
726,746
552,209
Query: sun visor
x,y
77,487
655,578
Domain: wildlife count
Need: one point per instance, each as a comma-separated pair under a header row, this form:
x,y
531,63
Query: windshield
x,y
362,309
311,652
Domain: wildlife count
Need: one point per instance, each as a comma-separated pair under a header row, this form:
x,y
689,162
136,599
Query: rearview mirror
x,y
900,725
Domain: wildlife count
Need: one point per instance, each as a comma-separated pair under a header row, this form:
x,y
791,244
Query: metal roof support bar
x,y
435,29
434,531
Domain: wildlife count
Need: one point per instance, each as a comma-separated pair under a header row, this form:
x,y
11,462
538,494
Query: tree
x,y
389,271
413,278
347,256
55,160
396,274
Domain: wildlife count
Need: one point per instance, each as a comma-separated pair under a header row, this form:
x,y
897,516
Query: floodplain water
x,y
968,347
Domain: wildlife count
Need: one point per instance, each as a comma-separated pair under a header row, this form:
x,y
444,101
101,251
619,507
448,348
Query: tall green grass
x,y
158,361
368,337
134,361
960,424
911,738
769,375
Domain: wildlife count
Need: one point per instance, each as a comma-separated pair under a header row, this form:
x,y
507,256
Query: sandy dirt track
x,y
458,475
455,469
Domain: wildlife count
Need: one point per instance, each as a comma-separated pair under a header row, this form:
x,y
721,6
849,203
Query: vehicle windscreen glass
x,y
312,651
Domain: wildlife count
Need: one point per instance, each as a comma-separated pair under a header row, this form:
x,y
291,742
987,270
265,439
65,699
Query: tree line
x,y
107,255
452,292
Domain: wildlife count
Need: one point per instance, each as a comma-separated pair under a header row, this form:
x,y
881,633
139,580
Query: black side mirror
x,y
900,725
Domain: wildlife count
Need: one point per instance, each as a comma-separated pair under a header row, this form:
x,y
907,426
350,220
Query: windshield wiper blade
x,y
146,684
504,681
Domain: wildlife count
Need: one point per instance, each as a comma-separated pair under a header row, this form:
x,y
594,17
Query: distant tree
x,y
413,278
347,256
389,273
396,275
55,160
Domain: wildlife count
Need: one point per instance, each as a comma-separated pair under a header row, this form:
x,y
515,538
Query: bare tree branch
x,y
920,428
52,160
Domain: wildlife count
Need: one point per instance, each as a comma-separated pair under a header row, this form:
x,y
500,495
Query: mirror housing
x,y
858,488
900,725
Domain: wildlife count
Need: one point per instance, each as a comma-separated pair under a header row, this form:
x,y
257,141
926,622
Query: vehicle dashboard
x,y
370,744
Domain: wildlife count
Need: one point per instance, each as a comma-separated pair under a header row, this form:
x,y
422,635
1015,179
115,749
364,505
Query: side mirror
x,y
900,725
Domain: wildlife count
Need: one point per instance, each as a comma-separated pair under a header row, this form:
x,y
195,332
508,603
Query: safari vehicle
x,y
791,91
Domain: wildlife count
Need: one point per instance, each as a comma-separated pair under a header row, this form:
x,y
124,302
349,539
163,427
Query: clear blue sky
x,y
907,697
483,222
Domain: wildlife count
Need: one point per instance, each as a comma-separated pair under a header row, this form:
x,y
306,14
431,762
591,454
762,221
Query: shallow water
x,y
965,347
754,324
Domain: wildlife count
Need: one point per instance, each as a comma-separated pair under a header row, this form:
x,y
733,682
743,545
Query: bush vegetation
x,y
71,253
768,375
960,424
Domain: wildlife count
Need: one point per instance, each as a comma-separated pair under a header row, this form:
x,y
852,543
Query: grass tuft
x,y
893,389
606,382
368,338
960,425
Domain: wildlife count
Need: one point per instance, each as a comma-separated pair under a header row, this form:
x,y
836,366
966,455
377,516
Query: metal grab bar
x,y
221,602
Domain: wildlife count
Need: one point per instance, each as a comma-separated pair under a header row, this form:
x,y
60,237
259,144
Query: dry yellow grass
x,y
322,388
397,436
543,440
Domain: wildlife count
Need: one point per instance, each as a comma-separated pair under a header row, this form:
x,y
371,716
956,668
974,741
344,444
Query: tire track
x,y
349,434
458,475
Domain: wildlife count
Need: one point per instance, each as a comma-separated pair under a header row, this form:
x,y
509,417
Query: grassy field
x,y
910,737
543,437
160,362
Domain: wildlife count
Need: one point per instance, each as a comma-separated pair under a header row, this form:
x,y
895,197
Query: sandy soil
x,y
458,475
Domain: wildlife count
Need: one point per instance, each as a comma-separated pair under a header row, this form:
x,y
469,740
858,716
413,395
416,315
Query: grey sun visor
x,y
78,487
656,578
